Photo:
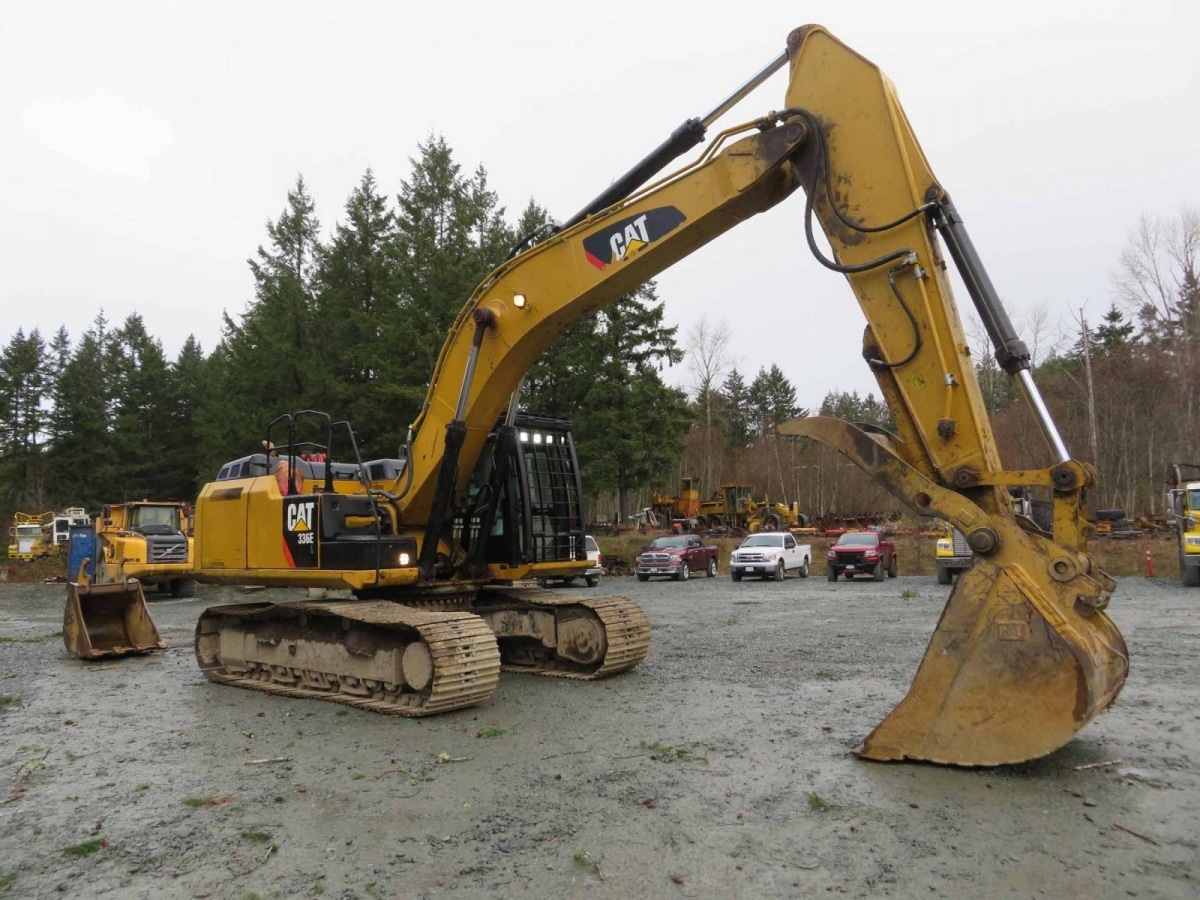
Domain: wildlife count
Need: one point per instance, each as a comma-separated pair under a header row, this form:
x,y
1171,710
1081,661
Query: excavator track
x,y
550,633
374,655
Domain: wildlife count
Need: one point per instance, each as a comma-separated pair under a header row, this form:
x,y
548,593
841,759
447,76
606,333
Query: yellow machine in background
x,y
952,555
685,506
133,544
26,534
146,540
57,532
1183,503
728,506
767,516
433,544
45,534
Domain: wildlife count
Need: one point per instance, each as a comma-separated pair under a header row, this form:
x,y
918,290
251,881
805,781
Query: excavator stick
x,y
1023,656
106,620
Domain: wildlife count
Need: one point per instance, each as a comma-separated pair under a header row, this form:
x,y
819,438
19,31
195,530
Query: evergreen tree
x,y
363,329
773,400
450,234
181,478
1115,334
141,410
736,413
273,350
850,407
603,375
83,461
24,378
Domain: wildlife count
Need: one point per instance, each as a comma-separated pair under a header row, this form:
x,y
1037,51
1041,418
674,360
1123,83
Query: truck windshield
x,y
669,542
1193,497
856,540
155,519
763,540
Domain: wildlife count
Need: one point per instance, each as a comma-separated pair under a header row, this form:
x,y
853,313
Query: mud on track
x,y
719,768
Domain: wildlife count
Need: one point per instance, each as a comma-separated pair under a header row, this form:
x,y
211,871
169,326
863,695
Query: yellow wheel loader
x,y
436,545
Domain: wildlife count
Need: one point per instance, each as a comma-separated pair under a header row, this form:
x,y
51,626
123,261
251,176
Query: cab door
x,y
790,554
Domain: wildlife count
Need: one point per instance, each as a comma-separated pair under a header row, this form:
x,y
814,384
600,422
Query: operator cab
x,y
525,500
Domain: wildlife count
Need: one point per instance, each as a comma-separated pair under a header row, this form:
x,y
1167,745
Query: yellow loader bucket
x,y
103,620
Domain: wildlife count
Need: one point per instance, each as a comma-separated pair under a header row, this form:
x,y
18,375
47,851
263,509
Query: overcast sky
x,y
145,145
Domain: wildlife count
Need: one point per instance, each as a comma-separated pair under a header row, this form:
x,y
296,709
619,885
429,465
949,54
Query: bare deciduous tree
x,y
708,361
1156,279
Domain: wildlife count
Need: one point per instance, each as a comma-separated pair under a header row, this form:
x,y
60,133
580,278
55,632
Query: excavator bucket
x,y
1023,656
1011,673
104,620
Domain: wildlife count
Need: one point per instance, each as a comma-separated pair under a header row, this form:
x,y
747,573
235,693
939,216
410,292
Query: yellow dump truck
x,y
145,540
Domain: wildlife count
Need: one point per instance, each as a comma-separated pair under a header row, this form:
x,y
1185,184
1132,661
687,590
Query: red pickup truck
x,y
861,553
678,555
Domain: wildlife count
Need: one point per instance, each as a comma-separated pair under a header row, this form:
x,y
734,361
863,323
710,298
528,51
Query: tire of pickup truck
x,y
683,573
877,572
736,576
593,580
803,572
831,573
894,568
643,577
712,568
779,572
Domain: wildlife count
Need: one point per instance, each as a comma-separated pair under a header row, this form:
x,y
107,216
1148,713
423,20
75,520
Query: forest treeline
x,y
351,321
1120,380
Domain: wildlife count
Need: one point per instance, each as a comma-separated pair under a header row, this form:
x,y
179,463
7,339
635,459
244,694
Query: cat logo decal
x,y
621,240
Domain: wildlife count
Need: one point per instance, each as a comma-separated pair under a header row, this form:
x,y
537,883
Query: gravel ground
x,y
721,767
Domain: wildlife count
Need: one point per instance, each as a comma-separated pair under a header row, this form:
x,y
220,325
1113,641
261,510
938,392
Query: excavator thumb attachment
x,y
103,620
1023,656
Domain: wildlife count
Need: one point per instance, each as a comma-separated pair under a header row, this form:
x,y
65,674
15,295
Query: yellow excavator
x,y
435,545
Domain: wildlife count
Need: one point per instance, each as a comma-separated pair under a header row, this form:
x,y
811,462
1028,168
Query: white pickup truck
x,y
770,555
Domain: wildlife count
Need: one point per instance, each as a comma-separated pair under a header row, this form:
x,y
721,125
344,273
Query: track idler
x,y
550,633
